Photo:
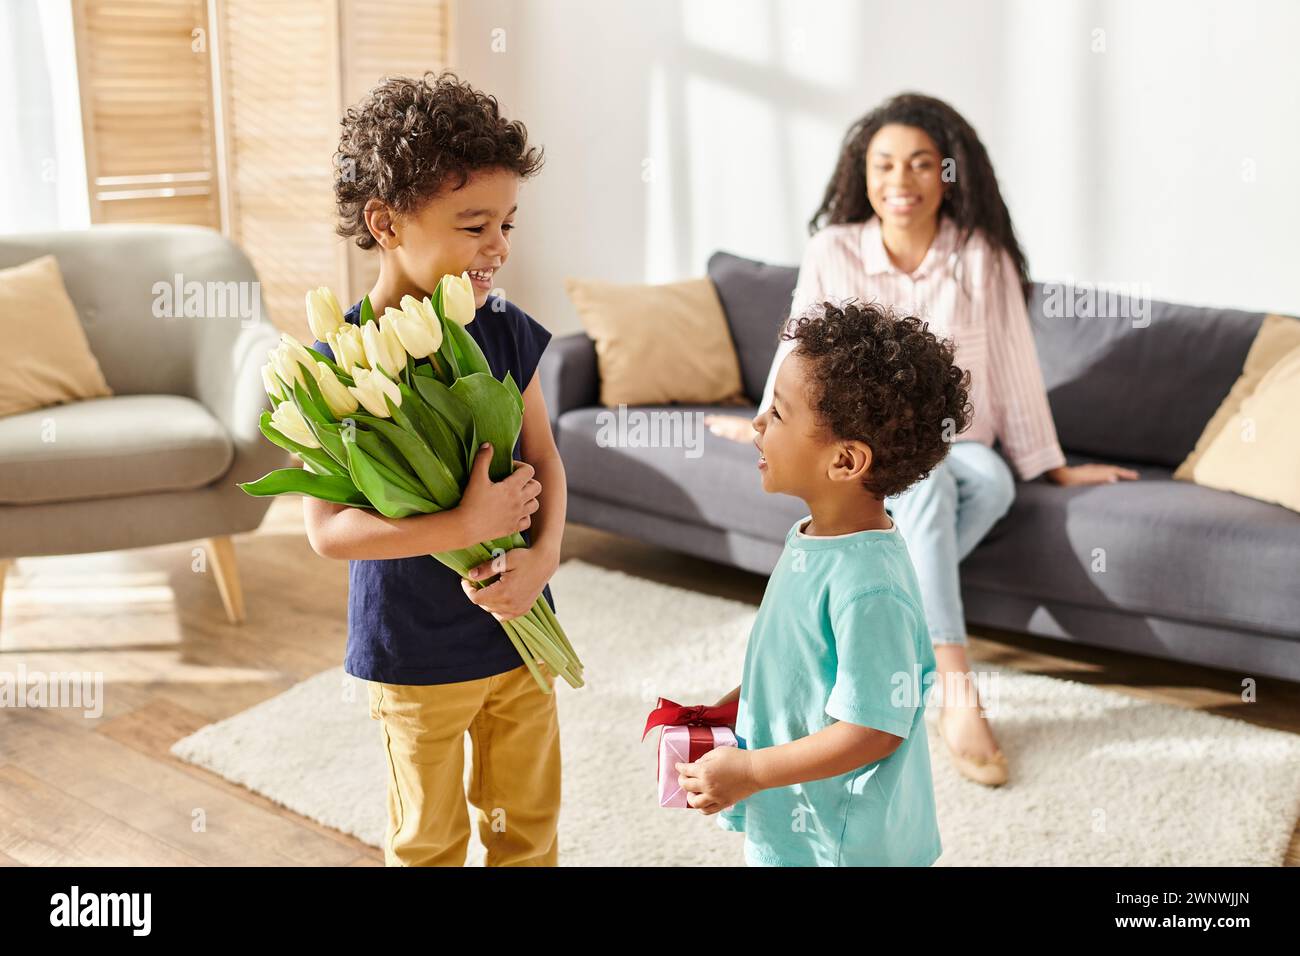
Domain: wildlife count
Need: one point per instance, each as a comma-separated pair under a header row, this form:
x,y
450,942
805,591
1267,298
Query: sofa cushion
x,y
1168,548
658,344
756,299
1135,384
107,447
702,479
1278,336
1258,451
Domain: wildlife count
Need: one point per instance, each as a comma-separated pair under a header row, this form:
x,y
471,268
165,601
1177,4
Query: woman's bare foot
x,y
732,427
964,728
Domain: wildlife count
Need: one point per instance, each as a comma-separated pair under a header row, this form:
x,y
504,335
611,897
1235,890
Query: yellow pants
x,y
514,777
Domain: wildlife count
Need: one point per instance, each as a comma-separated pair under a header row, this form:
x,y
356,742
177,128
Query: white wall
x,y
1143,142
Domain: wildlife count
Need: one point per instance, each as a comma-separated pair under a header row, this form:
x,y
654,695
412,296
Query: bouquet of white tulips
x,y
393,424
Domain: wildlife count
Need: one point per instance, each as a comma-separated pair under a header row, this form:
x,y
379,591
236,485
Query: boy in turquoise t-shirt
x,y
833,767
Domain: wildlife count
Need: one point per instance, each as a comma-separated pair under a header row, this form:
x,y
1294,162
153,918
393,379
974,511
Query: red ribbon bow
x,y
670,714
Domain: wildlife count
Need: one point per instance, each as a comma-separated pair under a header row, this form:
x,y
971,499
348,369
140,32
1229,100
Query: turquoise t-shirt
x,y
840,635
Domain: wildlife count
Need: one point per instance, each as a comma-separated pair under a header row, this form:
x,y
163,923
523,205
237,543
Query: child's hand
x,y
722,777
497,509
523,574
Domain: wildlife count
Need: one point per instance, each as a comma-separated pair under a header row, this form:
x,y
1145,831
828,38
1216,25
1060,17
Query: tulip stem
x,y
549,617
545,646
512,633
545,640
535,634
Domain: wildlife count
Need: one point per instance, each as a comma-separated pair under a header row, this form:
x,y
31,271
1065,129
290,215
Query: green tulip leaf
x,y
447,355
296,481
442,488
497,418
509,382
285,388
310,402
328,434
387,461
469,357
367,311
388,499
433,429
444,402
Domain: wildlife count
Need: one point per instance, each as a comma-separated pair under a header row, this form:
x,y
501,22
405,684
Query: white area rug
x,y
1098,778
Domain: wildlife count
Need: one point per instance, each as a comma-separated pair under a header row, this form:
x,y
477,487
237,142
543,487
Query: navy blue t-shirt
x,y
409,622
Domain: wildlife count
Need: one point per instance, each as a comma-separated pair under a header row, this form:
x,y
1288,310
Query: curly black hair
x,y
973,199
410,137
886,380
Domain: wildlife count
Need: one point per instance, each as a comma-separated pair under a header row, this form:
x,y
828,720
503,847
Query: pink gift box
x,y
685,744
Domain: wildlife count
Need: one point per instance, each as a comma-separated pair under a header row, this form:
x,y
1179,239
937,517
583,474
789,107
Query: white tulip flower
x,y
384,349
299,351
335,393
348,347
323,313
458,298
269,382
287,367
413,329
371,388
288,421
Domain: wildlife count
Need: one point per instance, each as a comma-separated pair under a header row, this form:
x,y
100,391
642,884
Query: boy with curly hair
x,y
429,172
833,767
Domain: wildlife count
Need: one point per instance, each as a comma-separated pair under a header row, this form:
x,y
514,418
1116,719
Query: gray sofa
x,y
1157,567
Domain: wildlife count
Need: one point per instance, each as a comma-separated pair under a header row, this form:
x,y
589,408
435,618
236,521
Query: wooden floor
x,y
80,791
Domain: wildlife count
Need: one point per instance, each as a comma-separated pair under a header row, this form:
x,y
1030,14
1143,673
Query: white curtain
x,y
42,159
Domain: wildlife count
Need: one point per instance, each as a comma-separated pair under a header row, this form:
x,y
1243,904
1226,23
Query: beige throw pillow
x,y
1277,336
659,344
48,358
1257,452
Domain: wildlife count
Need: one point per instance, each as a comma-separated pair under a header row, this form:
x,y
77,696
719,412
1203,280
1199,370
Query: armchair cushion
x,y
109,447
48,360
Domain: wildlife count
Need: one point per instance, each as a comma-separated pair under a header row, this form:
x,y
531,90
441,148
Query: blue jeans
x,y
942,518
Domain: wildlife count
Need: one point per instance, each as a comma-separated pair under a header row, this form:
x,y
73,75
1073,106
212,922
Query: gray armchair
x,y
157,462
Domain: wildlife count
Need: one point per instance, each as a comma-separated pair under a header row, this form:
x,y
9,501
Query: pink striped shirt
x,y
978,305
